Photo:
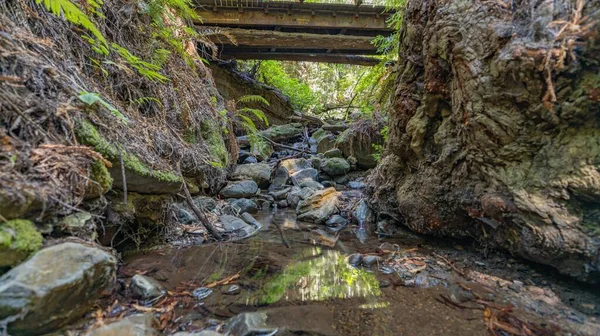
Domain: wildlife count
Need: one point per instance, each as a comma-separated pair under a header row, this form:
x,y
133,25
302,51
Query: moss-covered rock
x,y
211,133
140,178
335,166
18,239
103,182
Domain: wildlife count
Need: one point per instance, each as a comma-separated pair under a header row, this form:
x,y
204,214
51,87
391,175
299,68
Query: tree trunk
x,y
478,148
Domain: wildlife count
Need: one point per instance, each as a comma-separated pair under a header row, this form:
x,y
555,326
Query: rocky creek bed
x,y
303,255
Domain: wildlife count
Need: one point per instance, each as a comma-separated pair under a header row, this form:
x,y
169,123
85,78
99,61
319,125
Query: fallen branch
x,y
225,281
188,197
282,146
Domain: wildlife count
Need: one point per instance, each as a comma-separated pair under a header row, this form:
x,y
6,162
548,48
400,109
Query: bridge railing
x,y
258,3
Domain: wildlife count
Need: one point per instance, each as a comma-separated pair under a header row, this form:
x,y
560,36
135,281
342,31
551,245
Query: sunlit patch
x,y
374,305
317,275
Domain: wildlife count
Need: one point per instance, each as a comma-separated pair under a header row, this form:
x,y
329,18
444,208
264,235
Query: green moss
x,y
319,134
216,146
286,130
89,135
343,137
101,176
18,239
189,135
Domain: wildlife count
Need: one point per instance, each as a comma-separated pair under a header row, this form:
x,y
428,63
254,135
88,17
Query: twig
x,y
282,146
188,197
124,179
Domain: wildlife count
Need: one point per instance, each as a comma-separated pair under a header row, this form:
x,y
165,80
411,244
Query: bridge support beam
x,y
281,40
304,57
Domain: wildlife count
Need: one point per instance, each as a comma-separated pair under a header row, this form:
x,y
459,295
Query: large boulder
x,y
146,288
360,146
297,194
232,223
18,239
240,189
491,137
318,206
336,166
257,172
54,287
323,141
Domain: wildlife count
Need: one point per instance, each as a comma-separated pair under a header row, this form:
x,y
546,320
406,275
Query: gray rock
x,y
231,290
76,223
328,184
311,184
295,165
283,204
199,333
356,185
280,178
134,325
54,287
242,205
280,194
362,213
248,218
369,260
336,220
355,259
343,179
232,223
318,206
309,174
326,143
266,205
298,194
207,204
335,167
250,159
202,293
184,216
333,153
243,155
257,172
248,324
146,288
241,189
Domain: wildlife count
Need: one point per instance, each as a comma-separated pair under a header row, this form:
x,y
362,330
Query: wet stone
x,y
282,204
232,223
243,205
231,290
184,216
134,325
250,159
336,220
312,185
240,189
249,324
280,178
280,194
369,260
355,259
356,185
308,174
207,204
146,288
333,153
248,218
202,293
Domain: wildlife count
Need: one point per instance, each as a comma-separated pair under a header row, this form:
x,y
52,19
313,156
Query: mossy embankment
x,y
75,96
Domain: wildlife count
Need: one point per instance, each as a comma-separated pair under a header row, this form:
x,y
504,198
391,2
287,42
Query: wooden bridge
x,y
333,32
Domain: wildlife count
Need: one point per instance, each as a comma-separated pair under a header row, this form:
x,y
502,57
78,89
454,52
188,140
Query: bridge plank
x,y
232,17
304,57
276,39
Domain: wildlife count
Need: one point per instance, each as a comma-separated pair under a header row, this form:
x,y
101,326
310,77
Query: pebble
x,y
231,290
202,293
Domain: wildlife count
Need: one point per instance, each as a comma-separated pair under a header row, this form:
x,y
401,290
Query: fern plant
x,y
146,69
75,15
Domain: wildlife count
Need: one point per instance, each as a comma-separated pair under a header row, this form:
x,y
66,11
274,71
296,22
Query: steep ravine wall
x,y
150,125
478,146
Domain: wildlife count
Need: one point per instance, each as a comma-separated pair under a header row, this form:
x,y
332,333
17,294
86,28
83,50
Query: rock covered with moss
x,y
491,139
18,239
54,287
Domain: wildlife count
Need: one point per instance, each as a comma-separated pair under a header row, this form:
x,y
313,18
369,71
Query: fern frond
x,y
74,15
253,99
146,69
260,115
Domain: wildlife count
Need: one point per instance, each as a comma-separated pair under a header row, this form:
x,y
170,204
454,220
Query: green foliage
x,y
146,69
90,98
76,16
253,99
273,73
380,148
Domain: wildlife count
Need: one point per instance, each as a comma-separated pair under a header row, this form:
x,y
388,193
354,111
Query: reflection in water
x,y
318,275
